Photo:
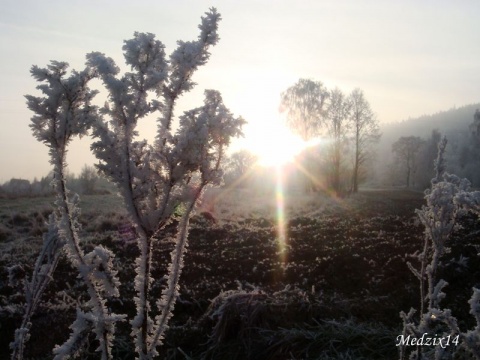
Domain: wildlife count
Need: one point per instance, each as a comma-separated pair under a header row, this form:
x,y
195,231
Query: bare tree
x,y
304,103
338,114
365,132
406,150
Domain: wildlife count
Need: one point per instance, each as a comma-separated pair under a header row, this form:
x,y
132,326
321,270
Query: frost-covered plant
x,y
448,196
42,275
63,112
153,180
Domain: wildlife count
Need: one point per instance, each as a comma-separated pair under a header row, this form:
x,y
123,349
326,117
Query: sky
x,y
410,58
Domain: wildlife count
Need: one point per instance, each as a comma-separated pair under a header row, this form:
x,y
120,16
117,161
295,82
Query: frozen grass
x,y
232,205
89,203
332,339
346,256
257,326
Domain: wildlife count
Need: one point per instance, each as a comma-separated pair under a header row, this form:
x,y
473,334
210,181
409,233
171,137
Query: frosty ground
x,y
334,291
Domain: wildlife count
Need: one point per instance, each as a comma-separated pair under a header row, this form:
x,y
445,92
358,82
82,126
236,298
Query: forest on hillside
x,y
459,125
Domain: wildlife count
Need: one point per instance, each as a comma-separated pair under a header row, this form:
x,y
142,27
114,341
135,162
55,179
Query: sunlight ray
x,y
226,189
281,220
320,185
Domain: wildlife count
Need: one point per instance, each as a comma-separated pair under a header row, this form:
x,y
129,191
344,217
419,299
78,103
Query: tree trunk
x,y
356,166
355,178
408,177
336,169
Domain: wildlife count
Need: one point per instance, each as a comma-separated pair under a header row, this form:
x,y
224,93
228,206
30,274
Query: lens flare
x,y
281,226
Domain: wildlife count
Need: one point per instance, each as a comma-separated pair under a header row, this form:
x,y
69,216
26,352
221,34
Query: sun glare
x,y
275,146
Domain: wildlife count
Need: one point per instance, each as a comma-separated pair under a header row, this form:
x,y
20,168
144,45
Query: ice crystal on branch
x,y
153,179
42,275
63,112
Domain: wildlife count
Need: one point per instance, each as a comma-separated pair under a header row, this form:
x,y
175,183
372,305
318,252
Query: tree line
x,y
87,182
412,164
343,160
345,127
346,122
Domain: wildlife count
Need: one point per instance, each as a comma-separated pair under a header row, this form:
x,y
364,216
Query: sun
x,y
275,147
266,134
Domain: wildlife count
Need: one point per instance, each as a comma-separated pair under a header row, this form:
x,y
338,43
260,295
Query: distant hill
x,y
454,120
453,123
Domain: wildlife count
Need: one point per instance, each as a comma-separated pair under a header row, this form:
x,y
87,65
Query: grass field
x,y
334,289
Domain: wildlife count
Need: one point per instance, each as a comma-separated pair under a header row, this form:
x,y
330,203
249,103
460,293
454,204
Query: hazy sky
x,y
411,57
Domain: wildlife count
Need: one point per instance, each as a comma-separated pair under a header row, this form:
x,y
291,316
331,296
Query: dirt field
x,y
334,289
